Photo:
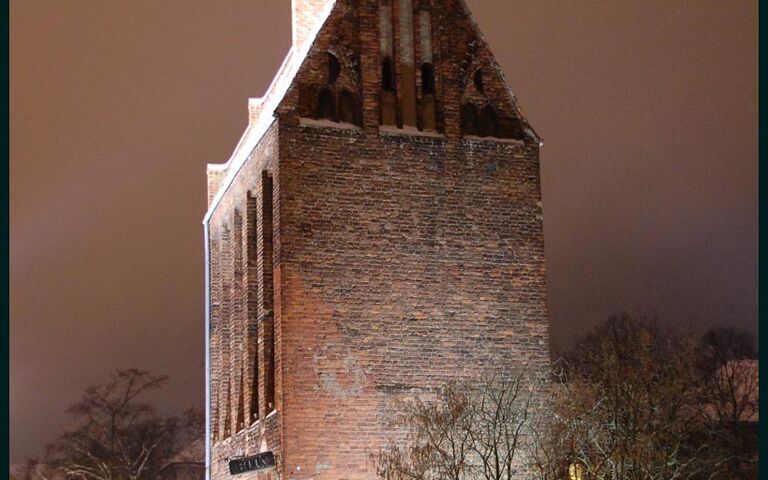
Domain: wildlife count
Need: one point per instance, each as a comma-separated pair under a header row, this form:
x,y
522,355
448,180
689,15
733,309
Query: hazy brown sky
x,y
648,111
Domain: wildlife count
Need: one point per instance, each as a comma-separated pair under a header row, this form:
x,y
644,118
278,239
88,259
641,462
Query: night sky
x,y
648,111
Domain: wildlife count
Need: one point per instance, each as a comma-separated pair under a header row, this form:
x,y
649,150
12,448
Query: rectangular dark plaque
x,y
249,464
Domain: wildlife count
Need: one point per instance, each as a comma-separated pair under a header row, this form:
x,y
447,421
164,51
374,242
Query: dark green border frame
x,y
5,239
763,233
763,227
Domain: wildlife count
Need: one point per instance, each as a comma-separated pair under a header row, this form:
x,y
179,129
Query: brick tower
x,y
376,233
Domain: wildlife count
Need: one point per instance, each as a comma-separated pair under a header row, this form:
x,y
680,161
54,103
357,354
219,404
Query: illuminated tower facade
x,y
376,233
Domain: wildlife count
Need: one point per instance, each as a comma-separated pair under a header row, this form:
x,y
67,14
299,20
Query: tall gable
x,y
482,81
413,64
403,65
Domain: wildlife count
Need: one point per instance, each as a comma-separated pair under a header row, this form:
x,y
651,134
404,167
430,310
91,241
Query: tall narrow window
x,y
386,40
253,306
326,108
227,427
388,99
349,109
427,79
427,104
478,80
469,119
241,403
254,410
387,75
425,53
406,65
269,291
489,124
334,68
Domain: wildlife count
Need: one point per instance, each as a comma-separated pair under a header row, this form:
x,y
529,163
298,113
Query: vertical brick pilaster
x,y
225,406
237,340
369,38
215,326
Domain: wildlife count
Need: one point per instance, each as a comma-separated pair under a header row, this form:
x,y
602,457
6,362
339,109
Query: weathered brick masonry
x,y
377,233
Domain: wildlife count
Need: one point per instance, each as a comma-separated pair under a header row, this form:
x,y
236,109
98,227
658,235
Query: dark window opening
x,y
387,75
269,291
326,108
269,389
427,79
489,124
241,403
334,68
478,80
227,427
252,348
255,389
469,119
349,111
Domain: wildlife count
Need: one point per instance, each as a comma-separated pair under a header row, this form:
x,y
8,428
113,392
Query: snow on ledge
x,y
409,131
512,141
217,167
313,123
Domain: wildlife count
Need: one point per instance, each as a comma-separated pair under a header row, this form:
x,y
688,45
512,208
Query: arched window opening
x,y
334,68
478,80
427,79
489,124
326,108
469,119
349,111
387,75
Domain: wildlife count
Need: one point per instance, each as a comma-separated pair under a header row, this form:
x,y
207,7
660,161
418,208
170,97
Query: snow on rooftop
x,y
271,100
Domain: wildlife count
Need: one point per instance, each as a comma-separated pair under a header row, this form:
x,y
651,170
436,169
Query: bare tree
x,y
729,375
472,430
720,345
571,424
118,436
630,402
729,369
627,406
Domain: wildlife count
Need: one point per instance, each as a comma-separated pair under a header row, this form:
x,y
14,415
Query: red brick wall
x,y
240,311
401,260
405,263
